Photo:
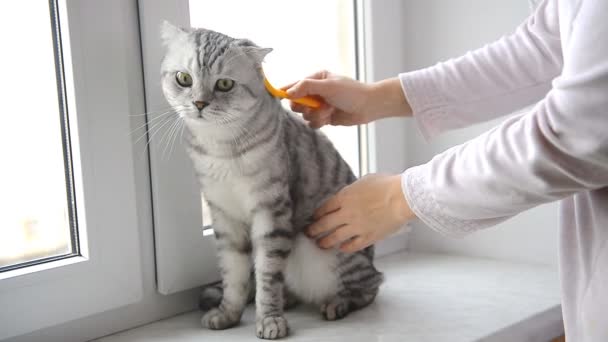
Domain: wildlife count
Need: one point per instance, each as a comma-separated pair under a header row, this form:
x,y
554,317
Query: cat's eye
x,y
224,84
183,79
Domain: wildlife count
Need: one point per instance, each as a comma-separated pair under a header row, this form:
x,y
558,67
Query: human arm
x,y
557,149
497,79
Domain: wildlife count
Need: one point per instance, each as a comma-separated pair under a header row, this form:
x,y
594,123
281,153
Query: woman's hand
x,y
347,102
362,213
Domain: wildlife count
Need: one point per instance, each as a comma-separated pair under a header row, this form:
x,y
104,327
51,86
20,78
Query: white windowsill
x,y
427,297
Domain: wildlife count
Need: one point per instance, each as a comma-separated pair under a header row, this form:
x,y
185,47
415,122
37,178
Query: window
x,y
178,235
101,49
66,149
37,222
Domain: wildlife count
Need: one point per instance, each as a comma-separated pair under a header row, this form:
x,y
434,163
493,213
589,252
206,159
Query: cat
x,y
263,172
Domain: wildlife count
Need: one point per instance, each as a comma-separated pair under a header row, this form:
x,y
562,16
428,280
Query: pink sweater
x,y
556,151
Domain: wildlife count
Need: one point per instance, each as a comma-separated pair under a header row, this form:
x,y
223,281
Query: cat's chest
x,y
233,196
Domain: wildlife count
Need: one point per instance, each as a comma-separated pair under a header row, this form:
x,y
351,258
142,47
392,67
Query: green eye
x,y
184,79
224,84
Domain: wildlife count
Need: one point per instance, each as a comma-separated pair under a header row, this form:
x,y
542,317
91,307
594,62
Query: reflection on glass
x,y
306,36
34,213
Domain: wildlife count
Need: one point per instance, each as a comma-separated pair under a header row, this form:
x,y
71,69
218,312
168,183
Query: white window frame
x,y
382,48
191,261
184,257
103,88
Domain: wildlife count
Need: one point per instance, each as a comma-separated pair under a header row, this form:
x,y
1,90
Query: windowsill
x,y
427,297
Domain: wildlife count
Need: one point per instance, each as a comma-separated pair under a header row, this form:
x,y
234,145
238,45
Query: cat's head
x,y
211,79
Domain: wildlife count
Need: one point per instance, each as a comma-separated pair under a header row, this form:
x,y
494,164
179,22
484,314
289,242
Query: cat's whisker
x,y
151,132
158,129
181,138
151,112
169,135
152,128
180,127
156,132
158,117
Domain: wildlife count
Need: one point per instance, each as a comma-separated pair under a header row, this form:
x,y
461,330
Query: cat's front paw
x,y
217,319
335,309
271,327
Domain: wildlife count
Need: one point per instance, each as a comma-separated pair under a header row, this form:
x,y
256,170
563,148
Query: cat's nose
x,y
200,104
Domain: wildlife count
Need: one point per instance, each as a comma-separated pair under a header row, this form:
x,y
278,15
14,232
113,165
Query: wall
x,y
436,30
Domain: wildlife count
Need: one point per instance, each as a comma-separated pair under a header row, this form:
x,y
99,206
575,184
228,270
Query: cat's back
x,y
316,169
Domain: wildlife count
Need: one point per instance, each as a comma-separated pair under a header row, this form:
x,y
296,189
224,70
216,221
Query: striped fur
x,y
263,172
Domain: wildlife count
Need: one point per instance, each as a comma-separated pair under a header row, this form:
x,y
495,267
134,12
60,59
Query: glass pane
x,y
306,36
35,218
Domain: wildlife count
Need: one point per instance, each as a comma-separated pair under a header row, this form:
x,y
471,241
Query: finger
x,y
319,75
307,87
355,244
325,224
285,87
337,237
296,107
324,113
332,204
316,124
342,119
310,116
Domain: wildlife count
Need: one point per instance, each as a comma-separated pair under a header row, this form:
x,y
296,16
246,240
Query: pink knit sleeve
x,y
555,150
495,80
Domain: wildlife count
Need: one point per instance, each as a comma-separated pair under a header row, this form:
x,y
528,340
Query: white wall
x,y
436,30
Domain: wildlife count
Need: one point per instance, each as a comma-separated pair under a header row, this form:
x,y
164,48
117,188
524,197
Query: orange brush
x,y
308,101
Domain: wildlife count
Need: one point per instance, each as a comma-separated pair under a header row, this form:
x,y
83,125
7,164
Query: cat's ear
x,y
258,53
170,32
252,50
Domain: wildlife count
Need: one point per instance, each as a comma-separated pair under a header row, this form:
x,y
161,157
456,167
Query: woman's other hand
x,y
361,214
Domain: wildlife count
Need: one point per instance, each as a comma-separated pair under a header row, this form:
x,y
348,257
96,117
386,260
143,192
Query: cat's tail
x,y
211,295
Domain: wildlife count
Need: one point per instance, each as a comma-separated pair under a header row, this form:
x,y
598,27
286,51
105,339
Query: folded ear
x,y
259,53
253,51
170,32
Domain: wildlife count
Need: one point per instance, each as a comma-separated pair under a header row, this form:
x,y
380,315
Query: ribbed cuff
x,y
427,102
418,192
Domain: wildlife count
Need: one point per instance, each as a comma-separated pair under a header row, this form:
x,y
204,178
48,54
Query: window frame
x,y
383,55
74,242
194,253
103,87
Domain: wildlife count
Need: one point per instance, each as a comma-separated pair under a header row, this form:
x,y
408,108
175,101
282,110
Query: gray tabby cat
x,y
263,172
